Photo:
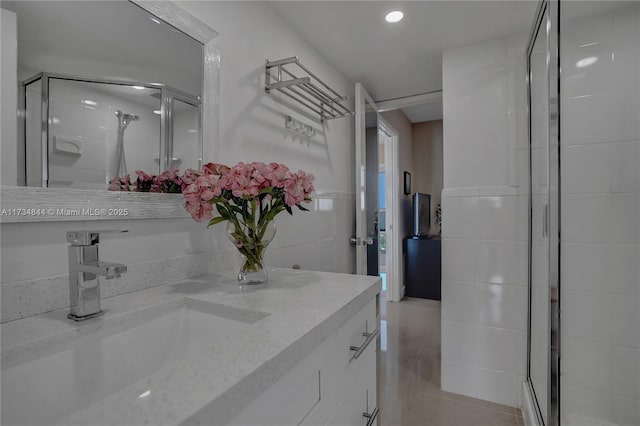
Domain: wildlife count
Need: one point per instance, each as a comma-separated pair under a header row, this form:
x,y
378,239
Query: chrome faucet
x,y
85,269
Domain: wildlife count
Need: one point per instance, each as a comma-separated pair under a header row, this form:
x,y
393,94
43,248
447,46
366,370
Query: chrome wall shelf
x,y
304,87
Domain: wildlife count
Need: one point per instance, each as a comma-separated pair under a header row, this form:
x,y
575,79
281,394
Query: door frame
x,y
395,288
395,283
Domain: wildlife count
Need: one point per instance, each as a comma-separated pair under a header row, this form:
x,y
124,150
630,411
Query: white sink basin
x,y
47,380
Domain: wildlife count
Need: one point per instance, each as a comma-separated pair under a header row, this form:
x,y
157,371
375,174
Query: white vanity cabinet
x,y
334,385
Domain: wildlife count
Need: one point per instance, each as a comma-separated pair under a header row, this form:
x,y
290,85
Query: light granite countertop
x,y
299,310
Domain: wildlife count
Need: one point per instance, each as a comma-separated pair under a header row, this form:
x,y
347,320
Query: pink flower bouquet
x,y
248,196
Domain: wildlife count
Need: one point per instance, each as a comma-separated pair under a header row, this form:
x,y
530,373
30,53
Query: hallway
x,y
409,374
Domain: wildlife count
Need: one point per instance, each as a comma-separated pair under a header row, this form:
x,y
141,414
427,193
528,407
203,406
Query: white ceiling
x,y
424,112
403,59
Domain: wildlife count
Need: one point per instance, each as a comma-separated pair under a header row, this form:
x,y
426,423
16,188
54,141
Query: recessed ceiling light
x,y
156,20
394,16
157,111
89,102
138,87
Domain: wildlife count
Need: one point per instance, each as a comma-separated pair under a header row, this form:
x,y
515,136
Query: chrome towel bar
x,y
305,88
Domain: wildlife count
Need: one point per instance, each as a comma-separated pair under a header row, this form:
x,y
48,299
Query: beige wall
x,y
426,148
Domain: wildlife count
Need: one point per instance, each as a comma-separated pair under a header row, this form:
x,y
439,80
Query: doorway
x,y
388,120
378,237
380,175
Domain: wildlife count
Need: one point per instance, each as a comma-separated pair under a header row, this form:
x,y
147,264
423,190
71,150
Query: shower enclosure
x,y
82,132
584,214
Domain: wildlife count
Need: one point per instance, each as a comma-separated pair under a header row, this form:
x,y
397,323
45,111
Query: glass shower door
x,y
544,213
539,204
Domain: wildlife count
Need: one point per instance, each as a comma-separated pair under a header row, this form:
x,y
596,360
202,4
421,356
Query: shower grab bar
x,y
318,96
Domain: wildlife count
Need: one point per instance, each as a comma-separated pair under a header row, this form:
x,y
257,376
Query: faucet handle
x,y
89,238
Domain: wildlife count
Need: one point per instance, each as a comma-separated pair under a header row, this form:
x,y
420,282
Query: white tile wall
x,y
461,263
603,167
484,229
600,221
492,385
613,117
601,218
501,306
94,128
462,301
625,371
584,406
625,410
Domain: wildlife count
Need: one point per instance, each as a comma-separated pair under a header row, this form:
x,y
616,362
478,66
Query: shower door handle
x,y
545,221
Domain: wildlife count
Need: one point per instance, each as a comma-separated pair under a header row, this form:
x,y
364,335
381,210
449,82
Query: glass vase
x,y
251,241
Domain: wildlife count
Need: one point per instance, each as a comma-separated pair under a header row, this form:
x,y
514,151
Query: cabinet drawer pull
x,y
371,417
359,349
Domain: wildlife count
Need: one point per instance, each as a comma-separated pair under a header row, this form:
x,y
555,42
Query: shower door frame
x,y
167,96
547,19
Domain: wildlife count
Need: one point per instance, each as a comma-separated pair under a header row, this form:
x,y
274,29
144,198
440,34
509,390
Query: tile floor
x,y
409,374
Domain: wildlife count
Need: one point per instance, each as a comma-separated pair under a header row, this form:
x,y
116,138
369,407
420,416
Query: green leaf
x,y
289,210
215,220
235,209
224,212
304,209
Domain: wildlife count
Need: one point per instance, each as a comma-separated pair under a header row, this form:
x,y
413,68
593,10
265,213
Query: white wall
x,y
484,222
600,169
9,174
252,128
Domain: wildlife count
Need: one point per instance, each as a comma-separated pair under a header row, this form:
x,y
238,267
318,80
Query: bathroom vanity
x,y
300,349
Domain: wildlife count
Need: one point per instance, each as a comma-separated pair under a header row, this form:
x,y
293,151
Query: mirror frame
x,y
36,204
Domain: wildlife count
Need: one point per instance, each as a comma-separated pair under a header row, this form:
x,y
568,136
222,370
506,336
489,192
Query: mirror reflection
x,y
106,89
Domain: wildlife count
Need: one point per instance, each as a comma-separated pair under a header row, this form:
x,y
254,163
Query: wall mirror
x,y
107,88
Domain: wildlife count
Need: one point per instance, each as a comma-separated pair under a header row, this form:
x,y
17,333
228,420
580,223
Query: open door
x,y
376,213
366,118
